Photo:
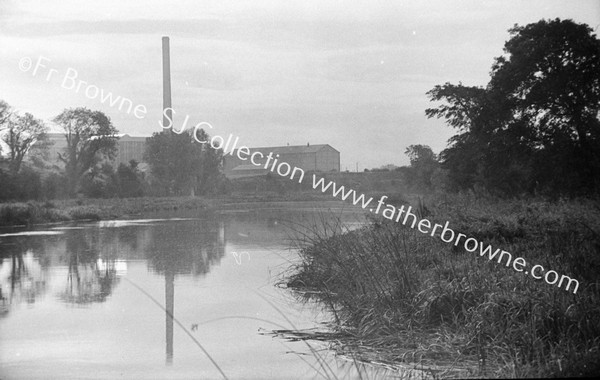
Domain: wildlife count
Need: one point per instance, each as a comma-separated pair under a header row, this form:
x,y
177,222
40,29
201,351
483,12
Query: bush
x,y
21,186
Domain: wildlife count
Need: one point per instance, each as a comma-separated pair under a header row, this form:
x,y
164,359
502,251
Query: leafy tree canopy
x,y
90,137
180,165
535,126
20,135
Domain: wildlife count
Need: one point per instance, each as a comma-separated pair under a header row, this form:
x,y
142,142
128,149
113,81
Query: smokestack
x,y
166,82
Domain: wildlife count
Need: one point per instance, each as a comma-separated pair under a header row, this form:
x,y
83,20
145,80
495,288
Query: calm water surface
x,y
93,300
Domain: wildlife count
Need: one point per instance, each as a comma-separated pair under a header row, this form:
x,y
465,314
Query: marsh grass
x,y
403,297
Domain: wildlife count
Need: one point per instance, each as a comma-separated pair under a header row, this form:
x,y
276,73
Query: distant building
x,y
58,143
310,158
128,148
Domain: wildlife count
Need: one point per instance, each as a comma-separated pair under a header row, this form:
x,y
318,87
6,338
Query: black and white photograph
x,y
299,189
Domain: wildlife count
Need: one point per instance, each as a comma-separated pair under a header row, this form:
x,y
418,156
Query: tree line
x,y
533,129
85,167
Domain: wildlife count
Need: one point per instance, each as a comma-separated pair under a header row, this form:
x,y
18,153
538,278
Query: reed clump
x,y
415,300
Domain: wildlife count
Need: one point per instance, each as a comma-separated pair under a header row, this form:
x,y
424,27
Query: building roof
x,y
121,136
292,149
126,137
241,168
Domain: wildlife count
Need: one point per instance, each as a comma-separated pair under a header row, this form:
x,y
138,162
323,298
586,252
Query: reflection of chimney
x,y
221,233
169,301
166,82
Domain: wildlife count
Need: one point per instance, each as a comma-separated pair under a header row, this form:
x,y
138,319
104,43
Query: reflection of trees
x,y
22,279
185,248
90,278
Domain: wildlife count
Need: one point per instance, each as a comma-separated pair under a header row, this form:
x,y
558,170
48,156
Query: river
x,y
175,296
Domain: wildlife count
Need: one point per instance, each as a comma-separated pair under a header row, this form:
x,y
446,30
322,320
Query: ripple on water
x,y
31,233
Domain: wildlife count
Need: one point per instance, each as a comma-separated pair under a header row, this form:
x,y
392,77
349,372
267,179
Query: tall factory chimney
x,y
167,116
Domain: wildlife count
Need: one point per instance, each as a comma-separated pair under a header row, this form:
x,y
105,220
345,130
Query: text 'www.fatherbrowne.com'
x,y
272,163
446,234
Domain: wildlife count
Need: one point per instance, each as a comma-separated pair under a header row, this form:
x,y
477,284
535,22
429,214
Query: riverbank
x,y
30,213
406,299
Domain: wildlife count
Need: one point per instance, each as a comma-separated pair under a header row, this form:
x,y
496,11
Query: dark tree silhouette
x,y
20,135
90,138
535,125
180,165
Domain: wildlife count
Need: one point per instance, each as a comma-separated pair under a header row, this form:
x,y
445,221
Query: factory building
x,y
310,158
128,148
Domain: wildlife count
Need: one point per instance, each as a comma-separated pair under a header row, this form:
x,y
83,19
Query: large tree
x,y
20,135
423,163
535,125
90,136
181,166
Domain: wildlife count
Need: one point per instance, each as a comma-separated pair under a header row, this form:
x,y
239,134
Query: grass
x,y
404,298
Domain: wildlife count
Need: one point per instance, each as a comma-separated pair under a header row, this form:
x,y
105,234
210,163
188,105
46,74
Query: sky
x,y
351,74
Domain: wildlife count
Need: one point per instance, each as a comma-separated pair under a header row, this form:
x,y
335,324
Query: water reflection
x,y
95,282
170,255
90,278
94,258
21,278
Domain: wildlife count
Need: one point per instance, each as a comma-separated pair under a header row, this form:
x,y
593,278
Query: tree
x,y
100,181
172,158
420,155
535,125
551,78
20,135
130,180
209,177
423,162
478,154
180,166
90,136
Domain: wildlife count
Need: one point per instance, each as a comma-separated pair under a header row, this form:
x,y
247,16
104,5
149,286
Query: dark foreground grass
x,y
404,298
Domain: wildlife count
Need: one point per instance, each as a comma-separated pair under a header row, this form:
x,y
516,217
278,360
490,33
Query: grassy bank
x,y
403,297
91,209
20,213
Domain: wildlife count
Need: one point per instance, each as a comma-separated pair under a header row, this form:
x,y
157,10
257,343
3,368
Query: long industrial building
x,y
310,158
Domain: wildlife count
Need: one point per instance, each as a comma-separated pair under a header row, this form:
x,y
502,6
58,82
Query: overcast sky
x,y
352,74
